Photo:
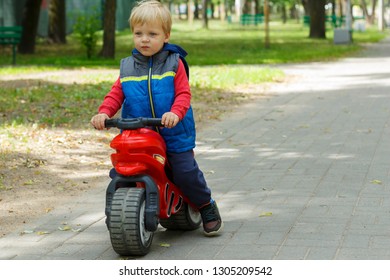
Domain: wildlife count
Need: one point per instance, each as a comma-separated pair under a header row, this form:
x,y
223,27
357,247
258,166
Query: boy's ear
x,y
167,36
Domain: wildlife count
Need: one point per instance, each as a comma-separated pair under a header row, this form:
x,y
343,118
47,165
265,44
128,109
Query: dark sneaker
x,y
212,222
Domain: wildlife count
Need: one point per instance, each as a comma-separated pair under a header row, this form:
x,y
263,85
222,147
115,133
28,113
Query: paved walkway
x,y
300,174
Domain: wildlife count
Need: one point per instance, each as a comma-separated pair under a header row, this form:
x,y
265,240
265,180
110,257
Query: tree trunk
x,y
305,4
57,21
370,17
246,9
190,14
30,19
333,7
196,12
294,14
317,19
108,49
341,9
364,8
212,8
284,13
257,7
204,13
381,19
266,24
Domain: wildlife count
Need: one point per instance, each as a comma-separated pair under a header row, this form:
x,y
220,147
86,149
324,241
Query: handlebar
x,y
131,124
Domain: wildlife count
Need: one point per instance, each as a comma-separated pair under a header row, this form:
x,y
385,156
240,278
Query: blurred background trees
x,y
55,19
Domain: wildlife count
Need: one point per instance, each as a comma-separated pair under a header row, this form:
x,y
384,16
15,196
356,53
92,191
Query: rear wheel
x,y
186,219
127,223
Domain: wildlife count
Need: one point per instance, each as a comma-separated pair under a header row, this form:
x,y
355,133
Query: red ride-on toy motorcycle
x,y
142,194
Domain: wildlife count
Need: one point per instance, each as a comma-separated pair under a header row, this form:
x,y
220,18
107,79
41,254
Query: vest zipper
x,y
150,87
150,91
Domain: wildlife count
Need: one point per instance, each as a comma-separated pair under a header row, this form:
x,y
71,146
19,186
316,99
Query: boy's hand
x,y
170,120
97,121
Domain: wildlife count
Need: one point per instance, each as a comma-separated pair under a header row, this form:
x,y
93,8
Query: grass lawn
x,y
212,53
222,43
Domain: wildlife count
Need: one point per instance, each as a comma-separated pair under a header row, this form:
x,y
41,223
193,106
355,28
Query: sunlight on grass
x,y
222,43
221,58
13,70
226,76
53,102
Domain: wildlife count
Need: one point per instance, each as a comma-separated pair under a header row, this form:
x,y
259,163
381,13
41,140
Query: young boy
x,y
153,83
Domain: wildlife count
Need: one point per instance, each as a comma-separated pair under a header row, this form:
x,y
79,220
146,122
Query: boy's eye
x,y
153,34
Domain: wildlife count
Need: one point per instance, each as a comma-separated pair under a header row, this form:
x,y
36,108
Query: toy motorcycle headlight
x,y
159,158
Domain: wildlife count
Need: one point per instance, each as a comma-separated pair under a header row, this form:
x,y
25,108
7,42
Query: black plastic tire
x,y
128,234
186,219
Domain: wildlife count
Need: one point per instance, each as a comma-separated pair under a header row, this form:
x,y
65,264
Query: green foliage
x,y
86,29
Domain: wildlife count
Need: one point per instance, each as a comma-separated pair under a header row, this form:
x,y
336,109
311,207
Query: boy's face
x,y
149,38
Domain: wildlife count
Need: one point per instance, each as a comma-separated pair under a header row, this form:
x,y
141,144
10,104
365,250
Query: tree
x,y
317,19
108,49
305,4
369,16
57,21
282,6
204,14
190,15
266,25
196,11
30,24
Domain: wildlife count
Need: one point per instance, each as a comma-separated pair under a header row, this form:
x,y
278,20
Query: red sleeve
x,y
182,101
113,100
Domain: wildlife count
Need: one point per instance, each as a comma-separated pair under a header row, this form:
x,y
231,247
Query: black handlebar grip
x,y
151,121
110,123
131,124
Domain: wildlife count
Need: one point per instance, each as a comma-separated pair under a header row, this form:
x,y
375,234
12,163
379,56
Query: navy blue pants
x,y
189,178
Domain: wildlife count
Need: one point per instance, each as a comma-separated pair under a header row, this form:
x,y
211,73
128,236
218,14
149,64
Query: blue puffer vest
x,y
148,86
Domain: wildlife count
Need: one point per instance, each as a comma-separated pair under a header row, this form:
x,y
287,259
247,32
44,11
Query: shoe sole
x,y
214,233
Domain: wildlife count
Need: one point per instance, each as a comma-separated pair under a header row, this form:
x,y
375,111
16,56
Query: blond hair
x,y
151,11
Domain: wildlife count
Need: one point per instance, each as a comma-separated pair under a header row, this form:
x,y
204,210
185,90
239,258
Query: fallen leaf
x,y
265,214
64,228
165,245
33,163
28,183
27,231
42,232
378,182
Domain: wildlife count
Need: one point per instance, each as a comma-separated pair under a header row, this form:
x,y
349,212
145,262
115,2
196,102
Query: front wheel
x,y
185,219
127,223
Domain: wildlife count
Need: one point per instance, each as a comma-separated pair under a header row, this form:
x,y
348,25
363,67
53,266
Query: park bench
x,y
334,21
11,35
249,19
